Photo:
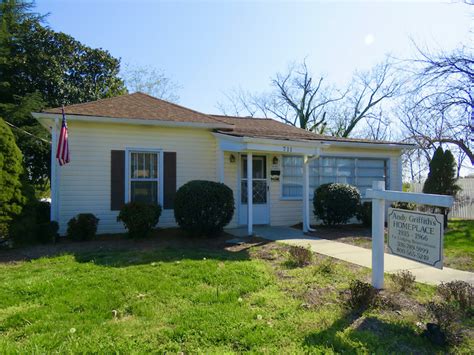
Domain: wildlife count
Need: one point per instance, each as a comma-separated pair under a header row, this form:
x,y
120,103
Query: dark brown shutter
x,y
169,177
117,179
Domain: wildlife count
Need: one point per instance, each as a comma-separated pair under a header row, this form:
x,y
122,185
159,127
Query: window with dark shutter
x,y
117,179
169,179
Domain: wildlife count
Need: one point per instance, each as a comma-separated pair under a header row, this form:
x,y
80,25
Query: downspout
x,y
306,215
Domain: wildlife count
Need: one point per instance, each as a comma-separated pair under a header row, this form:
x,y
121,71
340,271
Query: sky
x,y
210,48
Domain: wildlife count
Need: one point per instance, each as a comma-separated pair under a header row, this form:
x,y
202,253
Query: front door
x,y
261,213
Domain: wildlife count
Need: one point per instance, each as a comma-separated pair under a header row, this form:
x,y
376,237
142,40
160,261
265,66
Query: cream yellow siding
x,y
84,183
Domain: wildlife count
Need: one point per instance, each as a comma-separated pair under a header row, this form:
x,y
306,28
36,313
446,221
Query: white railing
x,y
464,204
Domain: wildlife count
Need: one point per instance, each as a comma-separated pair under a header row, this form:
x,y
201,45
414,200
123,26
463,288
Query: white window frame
x,y
369,156
283,197
128,179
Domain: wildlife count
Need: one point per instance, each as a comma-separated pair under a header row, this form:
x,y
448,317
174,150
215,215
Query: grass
x,y
201,299
459,244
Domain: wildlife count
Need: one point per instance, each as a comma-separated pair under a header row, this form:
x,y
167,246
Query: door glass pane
x,y
258,168
259,186
259,192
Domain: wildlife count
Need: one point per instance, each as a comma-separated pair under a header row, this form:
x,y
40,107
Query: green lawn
x,y
204,299
459,244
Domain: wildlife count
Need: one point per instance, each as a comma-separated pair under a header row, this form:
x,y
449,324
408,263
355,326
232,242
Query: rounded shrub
x,y
139,218
335,203
82,227
203,207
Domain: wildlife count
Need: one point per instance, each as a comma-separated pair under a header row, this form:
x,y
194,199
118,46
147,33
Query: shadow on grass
x,y
117,250
126,258
353,333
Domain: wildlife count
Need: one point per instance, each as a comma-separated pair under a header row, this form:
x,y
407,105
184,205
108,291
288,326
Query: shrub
x,y
139,218
364,213
446,329
362,295
300,256
33,224
404,280
203,207
459,292
335,203
47,232
326,267
404,205
82,227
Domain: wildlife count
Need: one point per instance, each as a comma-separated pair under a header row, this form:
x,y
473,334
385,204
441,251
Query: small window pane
x,y
144,191
143,165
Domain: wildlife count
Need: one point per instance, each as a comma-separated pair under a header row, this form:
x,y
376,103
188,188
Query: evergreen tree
x,y
11,198
441,179
43,68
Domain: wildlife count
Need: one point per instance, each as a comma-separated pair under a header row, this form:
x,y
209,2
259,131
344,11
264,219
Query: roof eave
x,y
327,142
135,121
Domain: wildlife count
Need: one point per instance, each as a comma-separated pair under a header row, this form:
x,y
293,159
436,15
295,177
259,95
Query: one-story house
x,y
139,148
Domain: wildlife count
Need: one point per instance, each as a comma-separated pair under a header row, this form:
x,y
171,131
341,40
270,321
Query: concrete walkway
x,y
356,255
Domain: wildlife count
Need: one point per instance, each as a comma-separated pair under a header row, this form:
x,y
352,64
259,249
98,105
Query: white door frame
x,y
242,208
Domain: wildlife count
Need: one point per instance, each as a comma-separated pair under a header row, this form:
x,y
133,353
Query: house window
x,y
292,176
353,171
144,177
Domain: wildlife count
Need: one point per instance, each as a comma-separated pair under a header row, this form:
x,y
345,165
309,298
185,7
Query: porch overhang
x,y
250,144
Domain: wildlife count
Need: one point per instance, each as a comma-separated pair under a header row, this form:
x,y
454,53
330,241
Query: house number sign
x,y
287,149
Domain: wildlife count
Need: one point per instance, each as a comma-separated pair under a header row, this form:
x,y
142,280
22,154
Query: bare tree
x,y
366,93
150,81
441,101
296,99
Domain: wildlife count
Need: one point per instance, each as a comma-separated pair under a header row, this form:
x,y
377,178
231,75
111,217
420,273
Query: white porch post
x,y
54,172
378,242
220,165
305,194
249,194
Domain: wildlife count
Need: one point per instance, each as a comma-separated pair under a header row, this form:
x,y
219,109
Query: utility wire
x,y
28,133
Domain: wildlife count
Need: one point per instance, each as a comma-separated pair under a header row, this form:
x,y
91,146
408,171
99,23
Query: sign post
x,y
412,236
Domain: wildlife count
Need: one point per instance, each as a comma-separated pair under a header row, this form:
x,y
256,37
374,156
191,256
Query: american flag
x,y
62,153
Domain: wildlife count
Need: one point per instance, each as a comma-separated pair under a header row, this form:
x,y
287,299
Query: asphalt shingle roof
x,y
138,106
146,107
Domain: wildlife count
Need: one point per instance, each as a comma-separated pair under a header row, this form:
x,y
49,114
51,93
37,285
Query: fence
x,y
464,203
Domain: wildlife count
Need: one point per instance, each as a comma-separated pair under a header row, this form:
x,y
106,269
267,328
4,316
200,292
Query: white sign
x,y
417,236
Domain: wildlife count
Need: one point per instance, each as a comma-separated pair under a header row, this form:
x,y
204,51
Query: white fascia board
x,y
390,146
136,121
243,144
314,143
